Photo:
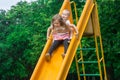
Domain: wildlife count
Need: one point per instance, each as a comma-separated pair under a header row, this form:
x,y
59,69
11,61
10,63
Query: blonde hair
x,y
68,12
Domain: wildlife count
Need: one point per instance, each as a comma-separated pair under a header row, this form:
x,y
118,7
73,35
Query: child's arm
x,y
74,27
49,31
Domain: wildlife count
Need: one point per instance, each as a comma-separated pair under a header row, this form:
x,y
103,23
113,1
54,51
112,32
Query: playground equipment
x,y
57,68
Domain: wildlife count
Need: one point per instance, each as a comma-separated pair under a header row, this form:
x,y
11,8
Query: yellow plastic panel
x,y
89,29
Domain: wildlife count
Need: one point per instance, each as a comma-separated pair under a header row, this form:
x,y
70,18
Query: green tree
x,y
25,25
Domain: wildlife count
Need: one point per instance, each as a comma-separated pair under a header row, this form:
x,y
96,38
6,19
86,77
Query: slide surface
x,y
57,68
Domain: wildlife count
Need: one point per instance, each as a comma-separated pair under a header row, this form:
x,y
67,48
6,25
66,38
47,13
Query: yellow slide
x,y
57,68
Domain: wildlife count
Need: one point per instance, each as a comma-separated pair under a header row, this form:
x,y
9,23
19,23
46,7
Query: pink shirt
x,y
60,33
61,36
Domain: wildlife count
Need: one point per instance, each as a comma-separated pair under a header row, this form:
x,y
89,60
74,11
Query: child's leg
x,y
54,46
71,34
65,42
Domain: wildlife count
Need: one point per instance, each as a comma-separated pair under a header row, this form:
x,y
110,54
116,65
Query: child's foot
x,y
47,57
63,55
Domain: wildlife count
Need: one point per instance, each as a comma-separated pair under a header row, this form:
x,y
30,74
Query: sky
x,y
6,4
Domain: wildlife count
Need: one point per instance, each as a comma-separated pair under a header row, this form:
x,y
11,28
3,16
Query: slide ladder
x,y
96,55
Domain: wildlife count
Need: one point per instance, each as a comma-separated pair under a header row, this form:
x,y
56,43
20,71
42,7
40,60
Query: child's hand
x,y
76,35
47,38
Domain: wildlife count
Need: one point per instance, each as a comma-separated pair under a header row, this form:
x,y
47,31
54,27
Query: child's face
x,y
56,23
65,15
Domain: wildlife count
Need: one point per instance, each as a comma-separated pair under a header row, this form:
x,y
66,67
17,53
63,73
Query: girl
x,y
60,33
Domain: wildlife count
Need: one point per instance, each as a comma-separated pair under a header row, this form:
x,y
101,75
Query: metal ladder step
x,y
89,74
88,62
86,49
